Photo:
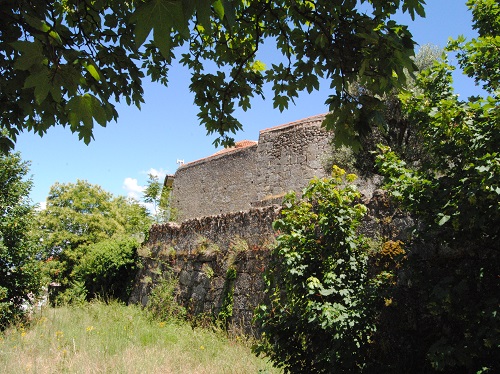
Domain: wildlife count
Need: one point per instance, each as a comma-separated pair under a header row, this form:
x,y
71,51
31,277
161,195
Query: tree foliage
x,y
392,126
19,270
458,188
67,62
107,268
455,194
479,58
440,313
80,223
321,310
81,213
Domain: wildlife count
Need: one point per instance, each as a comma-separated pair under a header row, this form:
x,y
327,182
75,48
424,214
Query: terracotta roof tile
x,y
237,146
240,144
248,143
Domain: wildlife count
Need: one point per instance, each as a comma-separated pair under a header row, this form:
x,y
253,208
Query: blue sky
x,y
167,129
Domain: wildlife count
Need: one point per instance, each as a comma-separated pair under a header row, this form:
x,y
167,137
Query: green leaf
x,y
203,12
161,16
31,54
142,19
6,144
92,70
83,109
40,81
443,219
219,8
161,37
229,12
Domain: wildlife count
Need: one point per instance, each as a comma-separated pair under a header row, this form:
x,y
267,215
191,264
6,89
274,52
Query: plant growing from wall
x,y
320,315
226,309
162,302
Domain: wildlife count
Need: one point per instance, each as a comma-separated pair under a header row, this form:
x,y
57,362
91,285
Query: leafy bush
x,y
447,315
162,304
108,268
321,310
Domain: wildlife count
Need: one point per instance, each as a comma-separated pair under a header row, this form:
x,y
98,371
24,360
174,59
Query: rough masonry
x,y
252,173
200,252
226,208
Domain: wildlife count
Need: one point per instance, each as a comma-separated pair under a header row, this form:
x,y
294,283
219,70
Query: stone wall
x,y
200,252
219,184
232,193
285,158
289,156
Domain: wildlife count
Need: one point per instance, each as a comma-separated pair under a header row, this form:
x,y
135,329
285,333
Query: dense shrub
x,y
446,312
107,269
322,305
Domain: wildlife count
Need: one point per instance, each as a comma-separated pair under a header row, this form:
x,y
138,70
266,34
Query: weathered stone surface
x,y
202,276
285,158
243,184
240,240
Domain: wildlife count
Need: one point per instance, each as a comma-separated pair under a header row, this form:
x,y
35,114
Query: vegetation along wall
x,y
219,260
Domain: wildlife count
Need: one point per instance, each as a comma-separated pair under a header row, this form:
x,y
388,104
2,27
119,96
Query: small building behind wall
x,y
252,173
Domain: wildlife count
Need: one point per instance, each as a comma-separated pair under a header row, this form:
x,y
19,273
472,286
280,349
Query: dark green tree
x,y
67,62
20,277
452,324
390,126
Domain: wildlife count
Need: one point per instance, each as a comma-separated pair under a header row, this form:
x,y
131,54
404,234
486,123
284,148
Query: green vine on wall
x,y
226,310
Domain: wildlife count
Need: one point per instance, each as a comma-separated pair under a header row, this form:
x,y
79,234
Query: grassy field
x,y
100,338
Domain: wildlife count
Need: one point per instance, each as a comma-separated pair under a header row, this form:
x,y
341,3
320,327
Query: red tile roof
x,y
240,144
248,143
237,146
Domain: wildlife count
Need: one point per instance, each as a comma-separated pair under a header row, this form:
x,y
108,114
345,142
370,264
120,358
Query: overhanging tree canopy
x,y
66,62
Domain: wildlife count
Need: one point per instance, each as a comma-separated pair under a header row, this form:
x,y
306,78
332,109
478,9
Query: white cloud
x,y
42,205
133,189
157,173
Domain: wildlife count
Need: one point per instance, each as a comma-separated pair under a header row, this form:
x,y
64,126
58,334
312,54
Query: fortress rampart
x,y
252,174
225,209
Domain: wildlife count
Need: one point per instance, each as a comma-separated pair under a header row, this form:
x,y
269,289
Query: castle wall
x,y
285,158
289,156
223,183
200,251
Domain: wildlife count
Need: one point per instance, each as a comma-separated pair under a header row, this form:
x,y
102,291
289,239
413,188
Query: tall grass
x,y
113,338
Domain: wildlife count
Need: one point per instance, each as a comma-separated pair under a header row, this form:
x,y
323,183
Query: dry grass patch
x,y
113,338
